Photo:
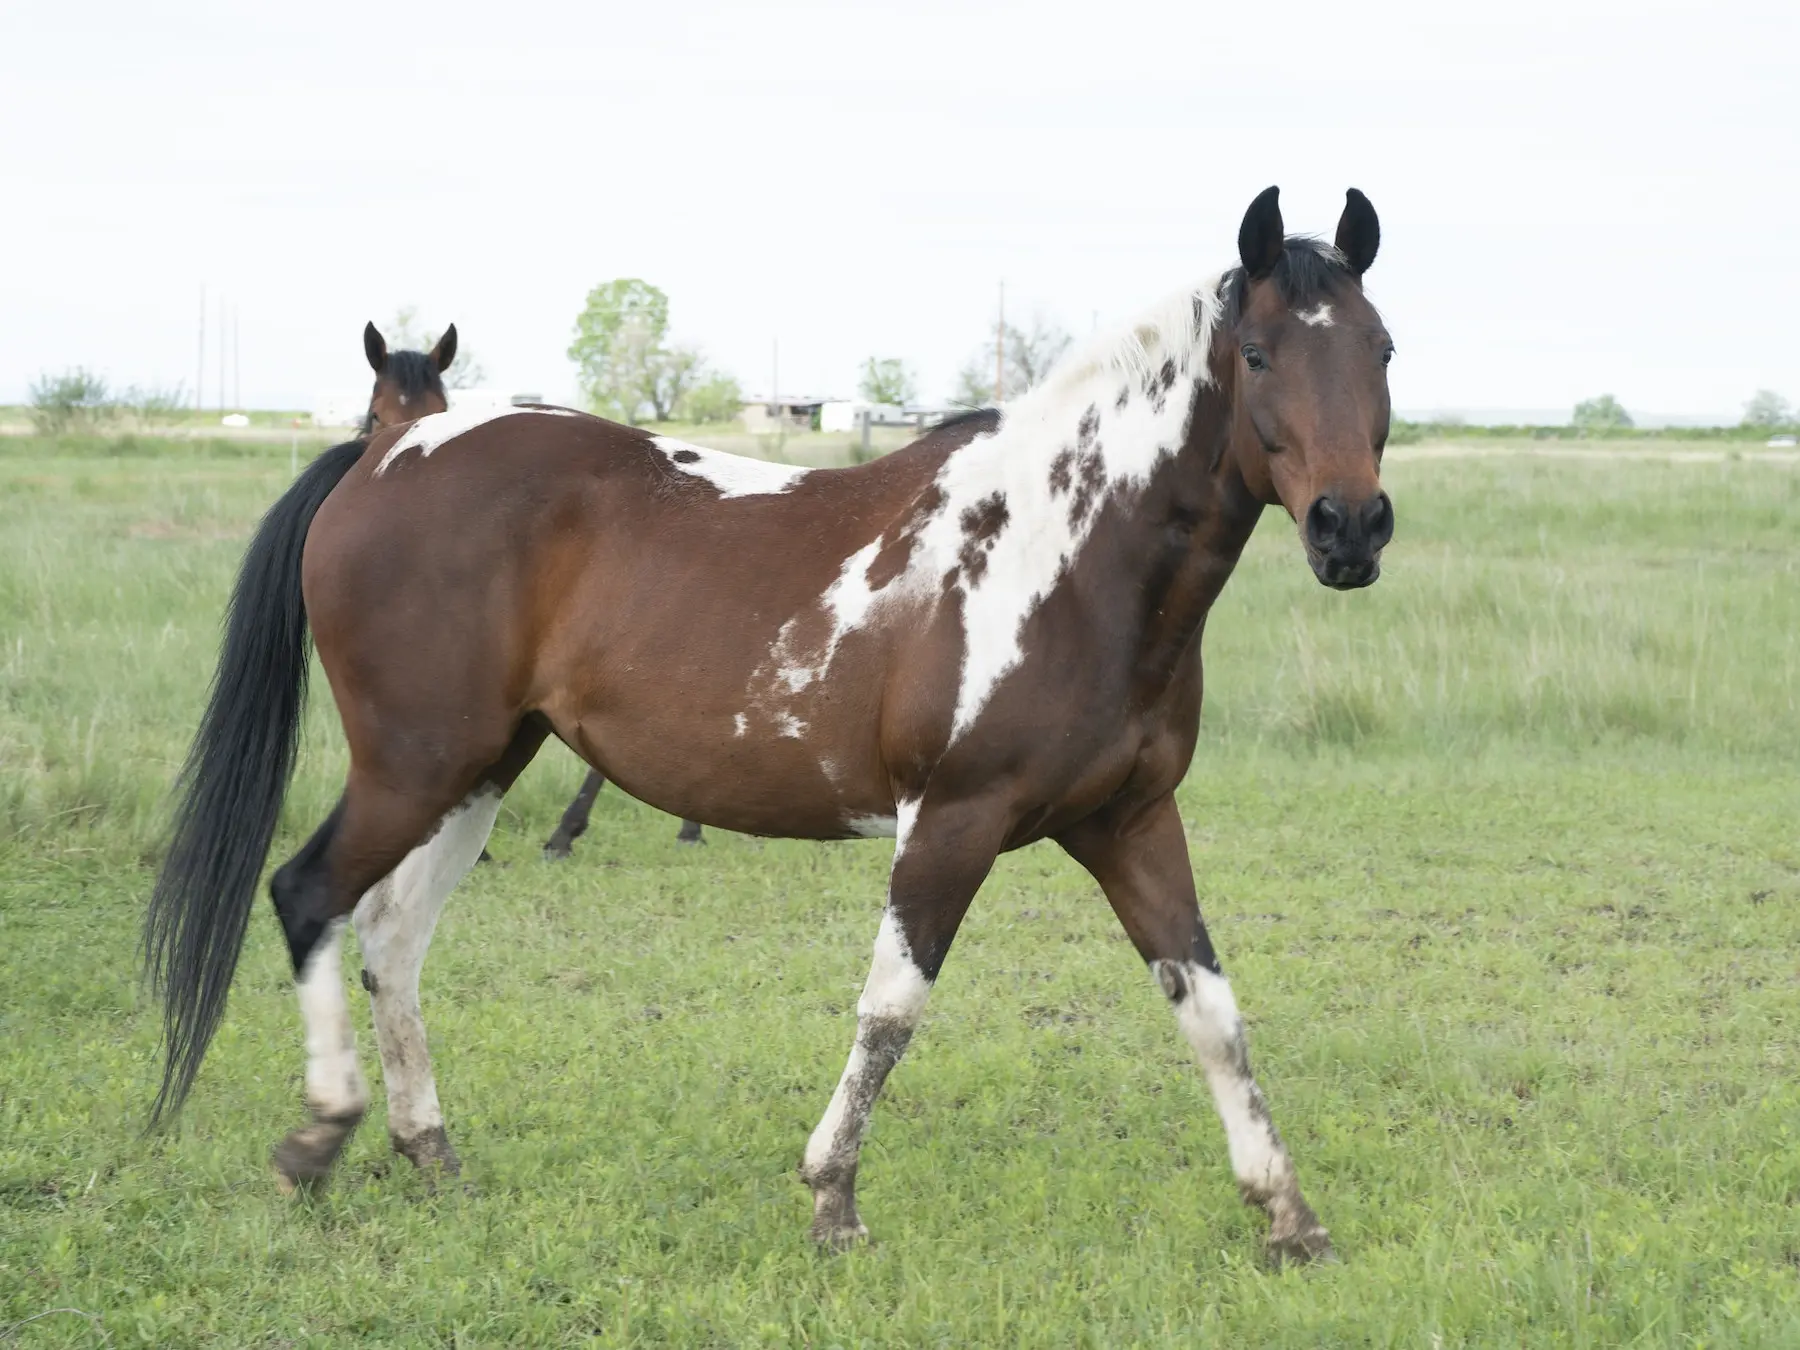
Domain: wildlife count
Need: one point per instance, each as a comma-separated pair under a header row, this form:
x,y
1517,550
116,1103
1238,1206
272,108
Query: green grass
x,y
1501,855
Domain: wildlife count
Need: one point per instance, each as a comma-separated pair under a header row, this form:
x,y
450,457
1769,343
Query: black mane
x,y
1307,273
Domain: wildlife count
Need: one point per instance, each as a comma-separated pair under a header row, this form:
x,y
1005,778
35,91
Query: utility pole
x,y
775,377
200,358
1000,350
222,351
237,364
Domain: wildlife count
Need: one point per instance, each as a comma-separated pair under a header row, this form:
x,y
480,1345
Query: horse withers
x,y
988,638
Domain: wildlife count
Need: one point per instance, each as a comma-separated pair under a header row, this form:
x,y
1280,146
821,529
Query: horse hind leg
x,y
394,926
374,830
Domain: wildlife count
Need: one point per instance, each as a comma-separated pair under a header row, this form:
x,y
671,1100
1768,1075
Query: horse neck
x,y
1175,533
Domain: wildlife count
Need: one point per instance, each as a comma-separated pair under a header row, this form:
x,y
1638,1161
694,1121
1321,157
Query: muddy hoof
x,y
556,850
303,1160
838,1238
430,1152
1307,1247
835,1225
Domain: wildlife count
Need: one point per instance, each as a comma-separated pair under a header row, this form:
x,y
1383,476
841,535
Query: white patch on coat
x,y
874,827
895,993
335,1087
1022,562
1318,318
732,475
394,924
437,429
742,723
1208,1017
791,727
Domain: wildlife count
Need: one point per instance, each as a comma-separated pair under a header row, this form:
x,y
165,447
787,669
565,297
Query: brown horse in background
x,y
986,639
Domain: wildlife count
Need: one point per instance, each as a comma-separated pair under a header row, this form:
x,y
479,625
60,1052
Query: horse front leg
x,y
1140,859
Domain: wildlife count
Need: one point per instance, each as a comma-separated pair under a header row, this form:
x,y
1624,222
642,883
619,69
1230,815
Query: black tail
x,y
236,775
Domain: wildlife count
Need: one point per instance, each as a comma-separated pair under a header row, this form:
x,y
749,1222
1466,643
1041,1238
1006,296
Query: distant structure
x,y
764,416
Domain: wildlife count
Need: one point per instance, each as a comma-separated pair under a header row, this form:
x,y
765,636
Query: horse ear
x,y
1358,232
445,351
375,348
1260,237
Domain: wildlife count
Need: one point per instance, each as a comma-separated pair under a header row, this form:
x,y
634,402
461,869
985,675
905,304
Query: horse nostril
x,y
1325,523
1378,520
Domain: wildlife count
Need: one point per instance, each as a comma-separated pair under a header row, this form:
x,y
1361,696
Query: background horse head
x,y
408,385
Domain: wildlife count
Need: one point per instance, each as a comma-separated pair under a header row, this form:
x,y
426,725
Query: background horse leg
x,y
689,833
574,820
1141,862
939,864
394,925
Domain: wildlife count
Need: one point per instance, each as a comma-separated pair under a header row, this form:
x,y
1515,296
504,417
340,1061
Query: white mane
x,y
1176,327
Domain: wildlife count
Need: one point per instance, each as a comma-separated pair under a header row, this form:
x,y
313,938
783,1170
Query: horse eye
x,y
1387,354
1254,358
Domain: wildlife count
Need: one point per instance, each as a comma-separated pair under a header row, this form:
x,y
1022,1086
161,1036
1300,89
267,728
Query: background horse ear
x,y
1358,232
375,348
1260,237
445,351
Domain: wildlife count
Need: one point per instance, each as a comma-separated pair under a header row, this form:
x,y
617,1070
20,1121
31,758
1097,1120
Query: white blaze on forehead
x,y
428,433
1317,318
732,475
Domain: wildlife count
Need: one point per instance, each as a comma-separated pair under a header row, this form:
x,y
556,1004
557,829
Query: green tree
x,y
717,398
887,380
1767,409
619,337
1597,414
405,334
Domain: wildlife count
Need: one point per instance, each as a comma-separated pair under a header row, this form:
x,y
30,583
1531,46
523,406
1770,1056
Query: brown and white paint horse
x,y
988,638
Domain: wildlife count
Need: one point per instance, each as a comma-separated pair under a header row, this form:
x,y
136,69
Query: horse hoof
x,y
304,1159
834,1238
430,1152
1311,1247
555,851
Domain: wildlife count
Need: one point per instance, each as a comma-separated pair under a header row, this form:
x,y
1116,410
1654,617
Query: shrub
x,y
72,401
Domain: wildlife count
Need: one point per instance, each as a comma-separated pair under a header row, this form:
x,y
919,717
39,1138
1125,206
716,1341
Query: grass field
x,y
1503,856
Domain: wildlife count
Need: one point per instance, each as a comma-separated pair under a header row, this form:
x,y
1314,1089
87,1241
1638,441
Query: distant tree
x,y
717,398
404,334
623,358
1767,409
71,401
1597,414
887,380
669,375
1030,355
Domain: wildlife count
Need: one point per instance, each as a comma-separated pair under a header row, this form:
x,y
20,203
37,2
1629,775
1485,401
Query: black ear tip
x,y
370,332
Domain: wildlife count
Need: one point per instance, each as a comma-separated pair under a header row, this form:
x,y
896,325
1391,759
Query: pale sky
x,y
1575,198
